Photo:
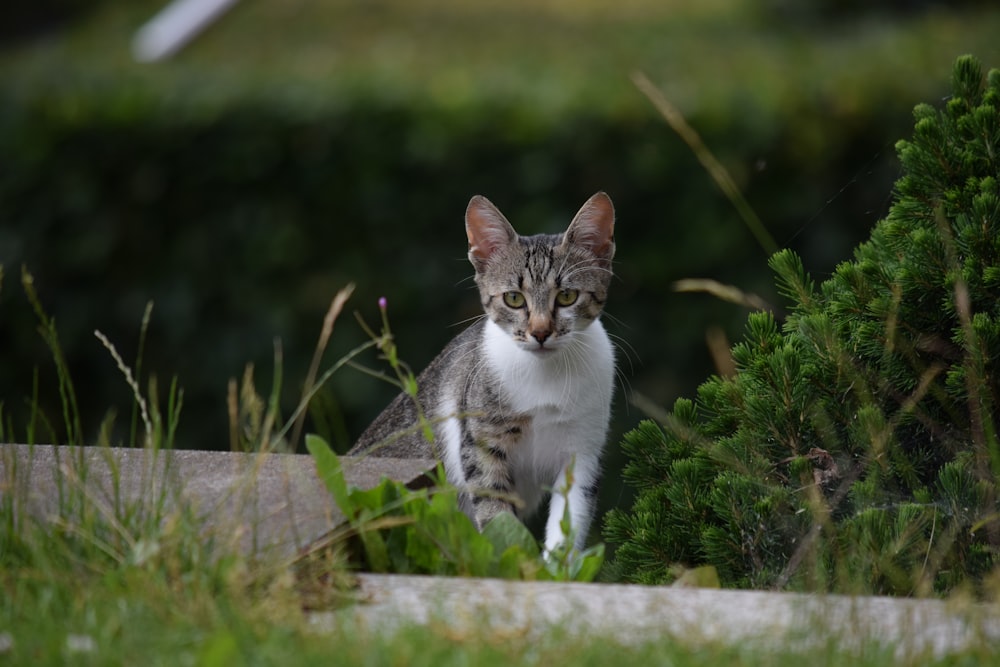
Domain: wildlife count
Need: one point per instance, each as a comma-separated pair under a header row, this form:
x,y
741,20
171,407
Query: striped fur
x,y
521,399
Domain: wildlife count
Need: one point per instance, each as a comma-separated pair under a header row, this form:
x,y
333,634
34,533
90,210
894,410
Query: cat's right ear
x,y
487,229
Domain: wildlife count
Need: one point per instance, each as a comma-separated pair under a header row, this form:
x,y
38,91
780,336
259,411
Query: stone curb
x,y
275,504
271,504
632,614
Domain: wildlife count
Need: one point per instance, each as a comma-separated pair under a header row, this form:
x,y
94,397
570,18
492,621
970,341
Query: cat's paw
x,y
486,509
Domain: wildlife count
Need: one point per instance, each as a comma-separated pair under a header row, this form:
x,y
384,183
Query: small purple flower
x,y
382,302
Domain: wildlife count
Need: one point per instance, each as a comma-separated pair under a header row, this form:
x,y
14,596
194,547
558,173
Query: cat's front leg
x,y
575,486
489,479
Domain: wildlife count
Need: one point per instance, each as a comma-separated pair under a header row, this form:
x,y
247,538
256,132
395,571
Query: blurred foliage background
x,y
298,145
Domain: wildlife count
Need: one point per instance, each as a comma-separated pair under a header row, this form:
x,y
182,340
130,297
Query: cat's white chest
x,y
566,381
565,393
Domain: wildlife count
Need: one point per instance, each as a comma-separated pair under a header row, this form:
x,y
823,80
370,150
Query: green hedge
x,y
241,220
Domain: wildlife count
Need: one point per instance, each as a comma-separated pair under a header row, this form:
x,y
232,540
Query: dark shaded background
x,y
240,220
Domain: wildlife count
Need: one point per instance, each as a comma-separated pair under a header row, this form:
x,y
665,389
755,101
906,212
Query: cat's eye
x,y
513,299
566,297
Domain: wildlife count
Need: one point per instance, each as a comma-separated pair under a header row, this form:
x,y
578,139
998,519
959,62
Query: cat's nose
x,y
539,327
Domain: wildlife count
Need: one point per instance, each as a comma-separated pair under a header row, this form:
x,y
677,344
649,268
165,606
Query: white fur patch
x,y
451,435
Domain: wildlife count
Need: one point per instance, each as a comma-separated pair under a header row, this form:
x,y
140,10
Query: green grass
x,y
61,604
58,609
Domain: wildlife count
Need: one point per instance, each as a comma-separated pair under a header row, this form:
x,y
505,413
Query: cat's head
x,y
542,289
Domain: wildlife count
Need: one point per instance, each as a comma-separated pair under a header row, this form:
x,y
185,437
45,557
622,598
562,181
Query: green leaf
x,y
565,563
331,473
479,557
515,563
505,531
587,563
509,564
471,553
376,552
378,497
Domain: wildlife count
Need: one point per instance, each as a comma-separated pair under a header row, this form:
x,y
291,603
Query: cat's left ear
x,y
593,227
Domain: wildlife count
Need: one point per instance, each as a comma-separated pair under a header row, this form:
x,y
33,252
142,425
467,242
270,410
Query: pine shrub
x,y
855,449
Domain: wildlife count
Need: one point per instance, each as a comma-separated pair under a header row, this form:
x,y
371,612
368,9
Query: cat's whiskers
x,y
627,350
613,318
466,279
572,274
574,358
584,265
623,380
585,353
469,321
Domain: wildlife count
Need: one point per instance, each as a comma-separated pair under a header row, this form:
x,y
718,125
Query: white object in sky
x,y
176,24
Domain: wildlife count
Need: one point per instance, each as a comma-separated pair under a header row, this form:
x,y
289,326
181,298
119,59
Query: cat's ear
x,y
487,229
593,227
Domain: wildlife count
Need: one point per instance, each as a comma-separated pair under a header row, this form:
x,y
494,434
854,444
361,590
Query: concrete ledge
x,y
631,614
269,503
274,504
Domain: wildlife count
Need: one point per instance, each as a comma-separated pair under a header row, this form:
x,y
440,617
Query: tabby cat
x,y
521,399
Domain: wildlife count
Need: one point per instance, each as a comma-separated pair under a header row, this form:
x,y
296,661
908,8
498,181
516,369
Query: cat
x,y
520,401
